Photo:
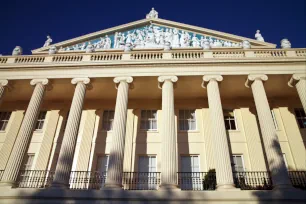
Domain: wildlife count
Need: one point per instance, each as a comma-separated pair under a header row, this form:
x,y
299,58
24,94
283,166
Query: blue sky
x,y
27,22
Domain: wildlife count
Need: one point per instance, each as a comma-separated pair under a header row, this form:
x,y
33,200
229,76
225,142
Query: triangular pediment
x,y
153,33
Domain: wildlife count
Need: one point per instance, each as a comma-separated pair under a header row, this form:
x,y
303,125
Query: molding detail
x,y
252,77
85,81
4,82
207,78
295,79
162,79
37,81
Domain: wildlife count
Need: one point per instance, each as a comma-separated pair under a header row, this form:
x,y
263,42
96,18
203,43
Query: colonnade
x,y
169,150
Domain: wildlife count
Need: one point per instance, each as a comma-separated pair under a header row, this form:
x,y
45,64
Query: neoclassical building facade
x,y
154,111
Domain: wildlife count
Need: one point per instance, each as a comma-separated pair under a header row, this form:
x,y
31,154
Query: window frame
x,y
188,120
25,162
148,156
274,120
110,122
40,121
228,118
4,119
190,155
242,158
147,129
302,118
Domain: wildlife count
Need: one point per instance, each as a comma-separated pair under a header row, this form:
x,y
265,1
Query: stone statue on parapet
x,y
17,51
246,44
48,41
52,50
152,14
285,43
259,37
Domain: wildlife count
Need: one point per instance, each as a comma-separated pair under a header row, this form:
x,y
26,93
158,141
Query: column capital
x,y
162,79
84,80
252,77
127,79
295,79
37,81
4,82
208,78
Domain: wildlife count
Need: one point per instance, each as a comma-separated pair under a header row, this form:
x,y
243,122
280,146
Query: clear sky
x,y
27,22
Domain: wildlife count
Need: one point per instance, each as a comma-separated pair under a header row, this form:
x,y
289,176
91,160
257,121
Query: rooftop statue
x,y
152,14
285,43
90,48
17,51
246,44
52,50
48,41
259,37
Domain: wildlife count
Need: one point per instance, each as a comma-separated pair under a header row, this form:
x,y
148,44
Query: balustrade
x,y
29,59
253,180
146,56
270,53
141,180
298,179
67,58
197,181
106,57
34,179
228,54
87,180
187,55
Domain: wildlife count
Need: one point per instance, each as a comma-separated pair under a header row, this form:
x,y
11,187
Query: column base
x,y
7,184
112,186
169,187
227,187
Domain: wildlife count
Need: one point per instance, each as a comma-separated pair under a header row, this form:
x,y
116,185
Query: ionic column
x,y
115,166
3,85
24,135
65,159
222,155
168,132
299,81
272,147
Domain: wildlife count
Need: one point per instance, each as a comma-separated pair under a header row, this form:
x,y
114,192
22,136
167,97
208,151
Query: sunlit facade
x,y
154,111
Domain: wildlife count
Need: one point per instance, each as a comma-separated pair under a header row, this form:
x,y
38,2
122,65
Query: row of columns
x,y
169,151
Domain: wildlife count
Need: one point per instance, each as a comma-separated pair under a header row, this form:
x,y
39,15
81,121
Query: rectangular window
x,y
4,119
274,120
147,164
148,120
108,120
102,167
41,120
187,120
190,164
28,162
300,117
238,163
229,120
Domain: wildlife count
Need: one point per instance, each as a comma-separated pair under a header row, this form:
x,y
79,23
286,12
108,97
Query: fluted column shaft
x,y
273,150
65,159
115,166
3,85
169,149
299,81
24,135
221,150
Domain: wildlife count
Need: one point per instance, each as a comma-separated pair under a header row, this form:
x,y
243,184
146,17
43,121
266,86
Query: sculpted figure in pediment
x,y
117,40
152,14
195,41
259,37
48,41
108,42
175,38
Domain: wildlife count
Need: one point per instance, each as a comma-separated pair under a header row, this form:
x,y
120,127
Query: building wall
x,y
93,141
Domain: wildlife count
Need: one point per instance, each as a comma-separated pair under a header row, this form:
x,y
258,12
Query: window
x,y
41,120
274,120
28,162
187,120
229,120
147,164
190,164
4,118
238,163
147,176
102,167
108,120
300,117
148,120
